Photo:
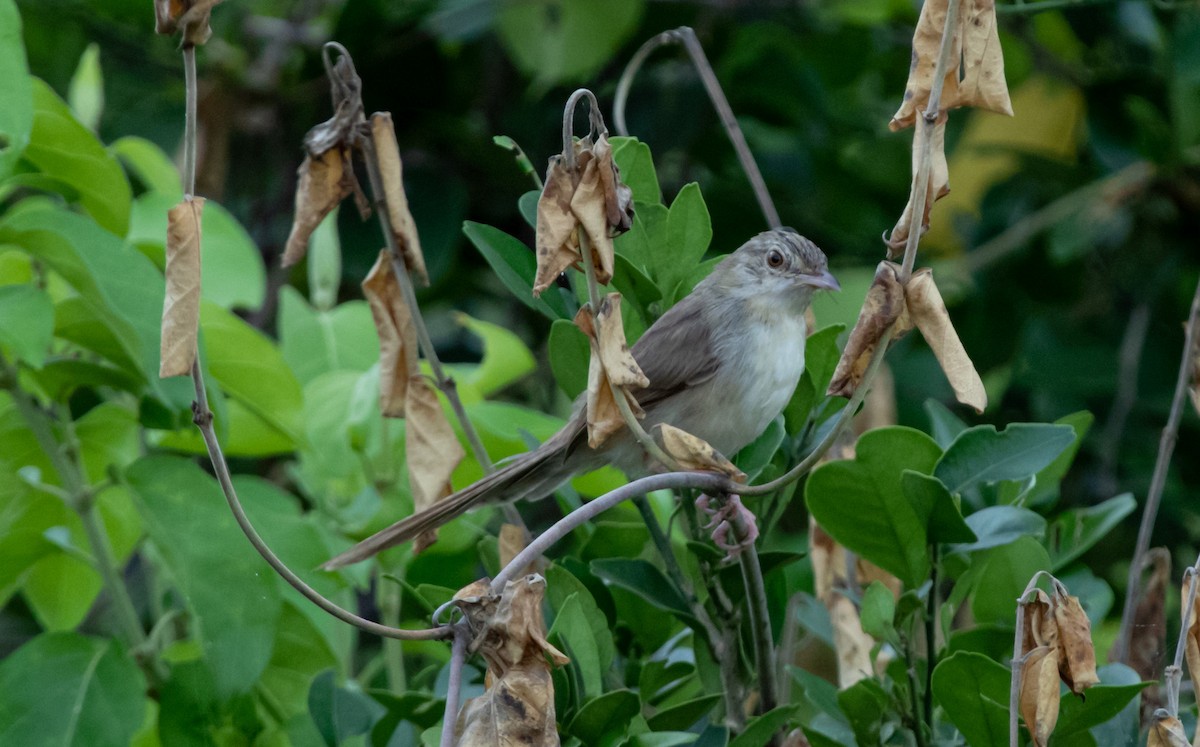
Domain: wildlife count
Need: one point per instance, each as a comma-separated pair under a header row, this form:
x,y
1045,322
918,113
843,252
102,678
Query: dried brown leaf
x,y
512,542
431,449
590,208
391,173
557,240
983,83
1148,634
611,365
618,198
324,181
1166,731
181,305
190,15
1076,655
398,352
1039,697
695,453
851,644
1040,628
927,43
937,187
1192,640
884,306
929,314
828,561
508,630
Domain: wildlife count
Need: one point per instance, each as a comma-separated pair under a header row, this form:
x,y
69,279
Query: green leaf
x,y
570,352
515,265
820,716
683,715
1045,488
689,232
324,263
556,41
943,424
637,168
67,689
1103,703
85,93
982,454
341,711
232,594
506,359
645,580
973,690
28,327
60,589
120,291
561,584
573,629
878,611
861,503
16,115
820,358
635,286
759,729
316,342
999,525
608,714
234,275
645,239
152,167
1004,573
937,509
1075,531
865,703
63,149
301,652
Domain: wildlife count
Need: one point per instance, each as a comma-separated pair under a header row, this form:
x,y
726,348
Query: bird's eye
x,y
774,258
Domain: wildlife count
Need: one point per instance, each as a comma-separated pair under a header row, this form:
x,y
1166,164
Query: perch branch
x,y
458,658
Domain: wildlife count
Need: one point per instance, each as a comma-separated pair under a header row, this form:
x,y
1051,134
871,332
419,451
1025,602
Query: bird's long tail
x,y
531,475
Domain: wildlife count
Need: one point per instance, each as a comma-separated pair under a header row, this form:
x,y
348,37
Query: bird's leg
x,y
728,512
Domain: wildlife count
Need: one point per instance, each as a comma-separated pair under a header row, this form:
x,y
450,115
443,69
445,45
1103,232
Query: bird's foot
x,y
723,517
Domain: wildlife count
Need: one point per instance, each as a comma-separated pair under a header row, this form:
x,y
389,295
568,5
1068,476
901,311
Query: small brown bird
x,y
722,364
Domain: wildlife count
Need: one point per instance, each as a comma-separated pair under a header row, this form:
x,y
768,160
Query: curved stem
x,y
760,626
687,37
568,123
592,509
458,657
189,122
1158,481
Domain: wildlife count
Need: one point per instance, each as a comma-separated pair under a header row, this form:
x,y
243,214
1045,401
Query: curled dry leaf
x,y
929,314
190,15
391,171
975,43
432,451
509,632
1076,655
851,644
1166,731
936,188
181,305
1039,696
883,307
588,198
695,453
398,353
325,179
1040,627
612,370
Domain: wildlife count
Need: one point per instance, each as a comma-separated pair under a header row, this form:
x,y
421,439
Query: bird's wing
x,y
683,355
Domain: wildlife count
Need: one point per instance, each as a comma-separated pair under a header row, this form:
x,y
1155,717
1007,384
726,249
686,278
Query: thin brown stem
x,y
1158,481
687,37
760,624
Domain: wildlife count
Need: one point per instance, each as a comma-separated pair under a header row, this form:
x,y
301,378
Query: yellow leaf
x,y
398,352
929,314
695,453
391,172
181,305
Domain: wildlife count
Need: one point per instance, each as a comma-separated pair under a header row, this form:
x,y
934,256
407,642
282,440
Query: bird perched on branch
x,y
722,364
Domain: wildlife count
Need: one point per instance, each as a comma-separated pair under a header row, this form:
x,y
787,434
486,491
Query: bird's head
x,y
776,266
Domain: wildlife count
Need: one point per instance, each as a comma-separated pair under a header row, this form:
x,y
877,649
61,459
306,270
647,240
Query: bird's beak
x,y
823,281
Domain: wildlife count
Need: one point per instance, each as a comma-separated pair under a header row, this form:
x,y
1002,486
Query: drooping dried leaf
x,y
883,307
1040,628
851,644
512,542
431,449
590,208
695,453
1039,697
1166,731
868,572
983,83
190,15
509,632
929,314
324,181
828,561
937,187
611,369
618,197
181,305
927,44
391,172
1076,655
339,130
557,239
1148,635
398,351
1192,622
